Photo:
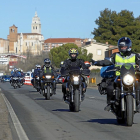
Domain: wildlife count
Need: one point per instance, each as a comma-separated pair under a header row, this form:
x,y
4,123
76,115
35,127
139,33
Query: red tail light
x,y
63,80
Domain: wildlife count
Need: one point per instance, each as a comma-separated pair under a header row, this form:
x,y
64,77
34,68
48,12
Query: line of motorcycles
x,y
126,95
75,94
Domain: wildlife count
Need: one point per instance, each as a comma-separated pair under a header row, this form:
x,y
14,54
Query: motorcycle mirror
x,y
109,59
63,65
118,68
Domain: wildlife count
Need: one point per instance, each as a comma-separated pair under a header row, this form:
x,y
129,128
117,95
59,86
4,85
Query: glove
x,y
92,61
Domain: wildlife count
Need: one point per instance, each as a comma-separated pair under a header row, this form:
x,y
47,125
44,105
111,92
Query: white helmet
x,y
38,67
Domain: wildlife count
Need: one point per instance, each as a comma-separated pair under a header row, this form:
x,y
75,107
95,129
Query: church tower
x,y
36,24
12,37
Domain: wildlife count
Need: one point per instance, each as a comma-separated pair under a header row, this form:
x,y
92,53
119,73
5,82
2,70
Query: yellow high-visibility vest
x,y
47,70
119,61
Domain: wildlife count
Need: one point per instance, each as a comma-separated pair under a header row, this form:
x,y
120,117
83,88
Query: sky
x,y
59,18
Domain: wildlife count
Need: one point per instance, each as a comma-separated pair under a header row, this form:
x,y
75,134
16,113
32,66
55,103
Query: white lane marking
x,y
20,131
91,97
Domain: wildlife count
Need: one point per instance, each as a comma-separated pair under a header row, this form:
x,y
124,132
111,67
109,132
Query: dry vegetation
x,y
32,60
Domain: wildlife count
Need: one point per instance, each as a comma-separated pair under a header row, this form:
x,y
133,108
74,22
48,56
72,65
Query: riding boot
x,y
54,87
108,107
41,91
42,85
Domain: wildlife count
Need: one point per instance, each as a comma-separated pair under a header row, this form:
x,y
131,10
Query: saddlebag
x,y
103,85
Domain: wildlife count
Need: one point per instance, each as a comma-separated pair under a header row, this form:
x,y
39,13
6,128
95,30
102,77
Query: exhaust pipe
x,y
134,104
122,102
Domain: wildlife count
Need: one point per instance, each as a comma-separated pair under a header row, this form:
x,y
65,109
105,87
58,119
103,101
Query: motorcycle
x,y
75,93
37,83
22,80
48,78
15,81
124,106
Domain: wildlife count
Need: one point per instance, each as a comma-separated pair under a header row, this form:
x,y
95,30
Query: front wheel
x,y
76,101
129,110
47,95
15,86
19,85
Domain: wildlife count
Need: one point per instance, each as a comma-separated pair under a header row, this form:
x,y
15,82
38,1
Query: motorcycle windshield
x,y
127,68
75,70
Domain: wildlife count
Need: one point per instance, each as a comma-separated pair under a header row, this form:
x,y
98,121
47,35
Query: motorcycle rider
x,y
36,75
21,79
15,73
11,79
73,62
87,63
47,66
125,55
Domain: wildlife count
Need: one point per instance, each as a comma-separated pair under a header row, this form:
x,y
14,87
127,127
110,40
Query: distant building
x,y
30,42
36,24
21,43
4,46
56,42
12,38
99,51
17,44
112,49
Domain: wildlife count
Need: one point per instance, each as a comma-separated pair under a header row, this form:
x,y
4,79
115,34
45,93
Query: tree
x,y
112,26
61,53
31,61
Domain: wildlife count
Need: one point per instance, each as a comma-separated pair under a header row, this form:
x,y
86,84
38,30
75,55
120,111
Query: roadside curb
x,y
5,130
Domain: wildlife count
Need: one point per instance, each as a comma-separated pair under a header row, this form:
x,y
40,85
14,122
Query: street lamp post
x,y
20,44
51,58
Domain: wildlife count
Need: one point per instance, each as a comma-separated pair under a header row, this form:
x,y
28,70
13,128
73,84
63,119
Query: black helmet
x,y
124,45
47,62
73,51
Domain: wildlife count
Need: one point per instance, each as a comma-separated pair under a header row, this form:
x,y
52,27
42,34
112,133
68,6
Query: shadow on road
x,y
62,110
32,91
107,121
103,121
40,99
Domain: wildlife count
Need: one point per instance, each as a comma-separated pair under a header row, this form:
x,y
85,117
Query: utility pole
x,y
20,44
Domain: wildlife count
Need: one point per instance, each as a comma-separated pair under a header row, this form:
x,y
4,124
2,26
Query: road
x,y
42,119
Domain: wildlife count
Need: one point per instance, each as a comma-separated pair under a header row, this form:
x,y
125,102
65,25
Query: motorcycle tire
x,y
47,95
129,110
76,101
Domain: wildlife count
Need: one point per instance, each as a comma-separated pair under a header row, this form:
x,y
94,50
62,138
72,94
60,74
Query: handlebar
x,y
118,68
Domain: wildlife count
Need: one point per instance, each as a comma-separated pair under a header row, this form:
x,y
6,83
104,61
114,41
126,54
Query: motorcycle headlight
x,y
48,76
76,80
128,79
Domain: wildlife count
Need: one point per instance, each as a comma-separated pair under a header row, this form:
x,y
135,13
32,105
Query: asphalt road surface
x,y
31,117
